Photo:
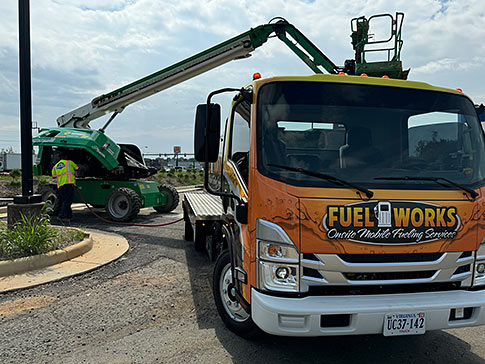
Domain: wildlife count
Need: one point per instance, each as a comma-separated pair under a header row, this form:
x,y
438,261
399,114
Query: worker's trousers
x,y
66,195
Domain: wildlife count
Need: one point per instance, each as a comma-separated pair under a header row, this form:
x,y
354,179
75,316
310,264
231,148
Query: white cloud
x,y
449,64
82,48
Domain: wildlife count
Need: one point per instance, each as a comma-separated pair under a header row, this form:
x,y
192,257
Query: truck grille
x,y
389,275
324,270
390,258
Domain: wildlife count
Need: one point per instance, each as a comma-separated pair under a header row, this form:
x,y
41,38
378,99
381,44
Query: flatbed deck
x,y
204,206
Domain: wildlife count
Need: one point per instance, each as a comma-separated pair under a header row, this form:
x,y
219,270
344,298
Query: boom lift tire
x,y
49,196
232,313
172,199
122,204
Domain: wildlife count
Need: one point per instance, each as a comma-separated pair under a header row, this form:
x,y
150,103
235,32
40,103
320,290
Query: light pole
x,y
25,204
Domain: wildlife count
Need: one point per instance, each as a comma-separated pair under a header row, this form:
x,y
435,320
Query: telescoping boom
x,y
237,47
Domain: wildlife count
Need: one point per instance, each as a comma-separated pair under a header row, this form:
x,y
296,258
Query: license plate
x,y
404,324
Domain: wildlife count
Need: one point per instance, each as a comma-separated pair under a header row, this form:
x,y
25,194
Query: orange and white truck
x,y
348,205
343,204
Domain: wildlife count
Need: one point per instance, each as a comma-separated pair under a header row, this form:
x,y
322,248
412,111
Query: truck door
x,y
236,166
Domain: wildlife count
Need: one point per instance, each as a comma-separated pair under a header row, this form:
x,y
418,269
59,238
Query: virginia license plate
x,y
404,324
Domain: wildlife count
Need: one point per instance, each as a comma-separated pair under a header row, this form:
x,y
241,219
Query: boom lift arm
x,y
237,47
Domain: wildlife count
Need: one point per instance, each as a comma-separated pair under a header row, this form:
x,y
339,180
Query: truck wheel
x,y
172,199
122,204
231,312
49,196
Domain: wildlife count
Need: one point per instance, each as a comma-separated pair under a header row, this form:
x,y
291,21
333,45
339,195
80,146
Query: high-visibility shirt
x,y
64,172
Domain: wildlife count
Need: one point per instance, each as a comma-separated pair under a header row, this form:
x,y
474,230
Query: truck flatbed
x,y
203,205
202,212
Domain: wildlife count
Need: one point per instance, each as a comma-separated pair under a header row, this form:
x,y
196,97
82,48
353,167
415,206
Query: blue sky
x,y
81,49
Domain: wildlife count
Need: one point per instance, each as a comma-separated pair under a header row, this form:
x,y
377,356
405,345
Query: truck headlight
x,y
278,259
479,276
277,252
278,267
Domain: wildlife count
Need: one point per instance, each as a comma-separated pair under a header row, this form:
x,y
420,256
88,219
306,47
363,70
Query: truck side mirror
x,y
207,117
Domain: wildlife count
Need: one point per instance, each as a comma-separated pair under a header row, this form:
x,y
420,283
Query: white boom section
x,y
82,116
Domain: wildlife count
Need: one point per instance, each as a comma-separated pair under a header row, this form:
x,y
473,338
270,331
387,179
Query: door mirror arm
x,y
245,93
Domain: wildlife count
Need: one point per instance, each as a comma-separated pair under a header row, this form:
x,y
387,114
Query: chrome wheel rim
x,y
235,311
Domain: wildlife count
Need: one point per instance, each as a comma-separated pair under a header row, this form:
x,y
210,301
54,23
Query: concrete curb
x,y
22,265
106,247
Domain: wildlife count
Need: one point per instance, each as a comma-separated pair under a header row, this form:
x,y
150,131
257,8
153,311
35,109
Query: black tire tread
x,y
171,203
49,192
246,329
134,208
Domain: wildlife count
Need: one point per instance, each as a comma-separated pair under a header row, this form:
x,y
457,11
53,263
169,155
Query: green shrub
x,y
15,183
33,235
68,235
43,180
15,173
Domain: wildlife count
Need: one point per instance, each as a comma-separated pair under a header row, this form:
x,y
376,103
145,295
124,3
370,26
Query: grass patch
x,y
180,178
34,235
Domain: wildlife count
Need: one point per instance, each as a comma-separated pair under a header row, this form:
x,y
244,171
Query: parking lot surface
x,y
155,305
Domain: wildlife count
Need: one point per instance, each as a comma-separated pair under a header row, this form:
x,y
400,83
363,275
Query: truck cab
x,y
350,205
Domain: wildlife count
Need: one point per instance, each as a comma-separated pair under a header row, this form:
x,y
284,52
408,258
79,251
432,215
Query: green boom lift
x,y
110,173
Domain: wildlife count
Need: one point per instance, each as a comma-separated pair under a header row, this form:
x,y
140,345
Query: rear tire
x,y
49,196
122,204
172,199
232,313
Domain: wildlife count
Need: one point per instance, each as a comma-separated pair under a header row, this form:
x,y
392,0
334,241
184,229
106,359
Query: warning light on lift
x,y
256,76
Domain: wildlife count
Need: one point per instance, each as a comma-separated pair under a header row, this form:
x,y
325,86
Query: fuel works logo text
x,y
391,222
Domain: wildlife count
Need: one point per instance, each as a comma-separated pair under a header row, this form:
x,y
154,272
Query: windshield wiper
x,y
326,177
472,193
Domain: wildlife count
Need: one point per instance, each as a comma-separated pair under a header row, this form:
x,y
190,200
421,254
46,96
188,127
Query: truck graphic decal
x,y
391,222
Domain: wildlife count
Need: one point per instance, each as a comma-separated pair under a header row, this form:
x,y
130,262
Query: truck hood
x,y
392,222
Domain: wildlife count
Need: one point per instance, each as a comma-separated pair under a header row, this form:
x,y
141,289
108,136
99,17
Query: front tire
x,y
232,313
172,199
122,204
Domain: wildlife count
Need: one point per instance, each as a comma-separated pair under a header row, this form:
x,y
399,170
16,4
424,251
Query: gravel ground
x,y
154,305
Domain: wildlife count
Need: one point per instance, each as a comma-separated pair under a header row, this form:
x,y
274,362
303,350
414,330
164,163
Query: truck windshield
x,y
359,132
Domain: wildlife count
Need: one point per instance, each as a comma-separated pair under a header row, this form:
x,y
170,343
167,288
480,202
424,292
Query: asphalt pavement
x,y
155,305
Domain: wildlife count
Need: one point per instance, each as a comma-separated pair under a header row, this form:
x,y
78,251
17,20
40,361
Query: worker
x,y
64,171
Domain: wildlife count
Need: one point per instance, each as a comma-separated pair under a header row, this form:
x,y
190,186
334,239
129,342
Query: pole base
x,y
15,212
23,200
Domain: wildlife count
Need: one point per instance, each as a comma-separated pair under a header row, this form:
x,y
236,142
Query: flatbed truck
x,y
351,205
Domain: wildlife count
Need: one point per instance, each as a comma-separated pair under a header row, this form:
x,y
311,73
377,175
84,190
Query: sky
x,y
84,48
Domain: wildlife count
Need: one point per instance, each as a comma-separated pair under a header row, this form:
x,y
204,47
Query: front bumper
x,y
302,316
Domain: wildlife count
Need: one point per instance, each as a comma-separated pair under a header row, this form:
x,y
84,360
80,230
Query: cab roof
x,y
363,80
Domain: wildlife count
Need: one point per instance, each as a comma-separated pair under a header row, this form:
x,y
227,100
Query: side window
x,y
441,139
239,144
